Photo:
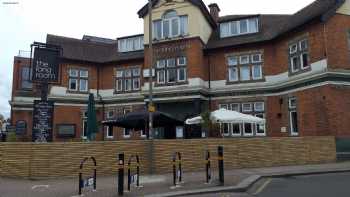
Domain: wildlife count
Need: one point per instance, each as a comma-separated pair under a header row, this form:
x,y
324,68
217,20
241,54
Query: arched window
x,y
171,25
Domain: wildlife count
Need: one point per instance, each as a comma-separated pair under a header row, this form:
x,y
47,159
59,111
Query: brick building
x,y
293,70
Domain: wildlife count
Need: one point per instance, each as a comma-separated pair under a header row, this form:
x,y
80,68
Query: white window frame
x,y
143,133
240,130
109,115
244,131
251,107
244,56
107,130
87,85
291,51
119,88
164,77
76,86
83,134
224,106
307,44
292,64
133,83
124,133
257,125
292,129
302,66
230,74
126,84
241,72
260,71
178,75
159,65
263,106
237,104
223,129
231,63
184,59
167,75
290,103
260,58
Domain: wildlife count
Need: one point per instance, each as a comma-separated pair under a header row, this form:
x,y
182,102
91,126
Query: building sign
x,y
42,121
46,65
21,127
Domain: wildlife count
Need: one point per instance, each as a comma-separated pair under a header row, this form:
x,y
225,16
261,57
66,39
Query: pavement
x,y
237,182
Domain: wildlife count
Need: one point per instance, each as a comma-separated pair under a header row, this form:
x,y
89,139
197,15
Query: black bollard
x,y
221,164
174,169
121,175
207,167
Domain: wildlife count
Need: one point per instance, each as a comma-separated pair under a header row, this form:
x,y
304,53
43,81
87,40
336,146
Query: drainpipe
x,y
100,101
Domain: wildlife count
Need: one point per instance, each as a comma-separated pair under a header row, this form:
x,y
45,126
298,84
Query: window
x,y
130,44
293,117
110,114
236,130
109,132
260,128
225,129
299,56
223,106
143,133
78,80
128,79
172,70
235,107
248,129
84,134
259,106
256,72
127,132
171,25
66,130
245,67
245,73
240,27
26,82
247,107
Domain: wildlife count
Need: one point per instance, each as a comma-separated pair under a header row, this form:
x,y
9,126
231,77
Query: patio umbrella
x,y
227,116
91,120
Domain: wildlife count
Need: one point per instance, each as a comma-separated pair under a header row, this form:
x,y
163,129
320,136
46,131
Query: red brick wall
x,y
337,42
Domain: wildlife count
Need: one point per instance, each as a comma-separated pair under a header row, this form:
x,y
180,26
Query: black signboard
x,y
21,127
42,121
46,65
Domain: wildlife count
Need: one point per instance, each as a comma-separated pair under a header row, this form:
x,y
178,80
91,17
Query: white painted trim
x,y
292,132
21,109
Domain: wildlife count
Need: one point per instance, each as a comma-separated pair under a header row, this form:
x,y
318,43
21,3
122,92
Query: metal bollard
x,y
221,164
137,171
121,174
177,176
207,167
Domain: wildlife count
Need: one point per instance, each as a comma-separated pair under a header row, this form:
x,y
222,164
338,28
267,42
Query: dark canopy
x,y
139,120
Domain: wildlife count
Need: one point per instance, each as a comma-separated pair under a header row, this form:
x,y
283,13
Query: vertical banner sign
x,y
45,65
42,121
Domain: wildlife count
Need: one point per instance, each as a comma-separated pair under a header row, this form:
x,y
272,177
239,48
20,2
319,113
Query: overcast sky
x,y
30,20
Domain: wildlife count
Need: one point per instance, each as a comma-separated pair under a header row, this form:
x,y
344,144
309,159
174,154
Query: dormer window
x,y
130,44
240,27
171,25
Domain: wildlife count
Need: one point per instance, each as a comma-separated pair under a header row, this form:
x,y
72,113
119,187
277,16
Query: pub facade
x,y
292,70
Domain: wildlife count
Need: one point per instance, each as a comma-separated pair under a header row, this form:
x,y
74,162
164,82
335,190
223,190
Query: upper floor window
x,y
171,25
78,80
26,82
245,67
240,27
299,56
128,79
170,71
130,44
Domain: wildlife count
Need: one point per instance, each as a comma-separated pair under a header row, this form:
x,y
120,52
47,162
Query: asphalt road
x,y
327,185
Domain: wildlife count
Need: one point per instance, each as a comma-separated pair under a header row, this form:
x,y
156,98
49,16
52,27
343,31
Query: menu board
x,y
42,121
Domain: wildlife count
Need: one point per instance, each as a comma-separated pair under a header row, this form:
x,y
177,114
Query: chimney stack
x,y
214,11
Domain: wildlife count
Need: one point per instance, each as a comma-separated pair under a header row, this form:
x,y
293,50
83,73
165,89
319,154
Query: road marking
x,y
40,186
263,186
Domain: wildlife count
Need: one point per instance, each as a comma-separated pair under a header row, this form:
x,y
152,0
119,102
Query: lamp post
x,y
151,108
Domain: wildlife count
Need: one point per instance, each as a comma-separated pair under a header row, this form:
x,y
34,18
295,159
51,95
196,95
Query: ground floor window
x,y
127,133
247,130
293,117
84,134
109,132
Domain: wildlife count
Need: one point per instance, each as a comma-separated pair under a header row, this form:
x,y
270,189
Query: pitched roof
x,y
198,3
275,25
91,50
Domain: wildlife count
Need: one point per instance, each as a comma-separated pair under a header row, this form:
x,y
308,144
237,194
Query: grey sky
x,y
31,20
